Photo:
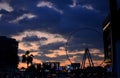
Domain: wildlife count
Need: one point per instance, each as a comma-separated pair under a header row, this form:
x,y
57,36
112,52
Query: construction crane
x,y
86,56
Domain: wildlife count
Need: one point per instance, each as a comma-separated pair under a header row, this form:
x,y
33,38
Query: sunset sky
x,y
45,26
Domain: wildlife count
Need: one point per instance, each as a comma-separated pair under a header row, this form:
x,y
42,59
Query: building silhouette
x,y
8,54
51,65
107,35
111,35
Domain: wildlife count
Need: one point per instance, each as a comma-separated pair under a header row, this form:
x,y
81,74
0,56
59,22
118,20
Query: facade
x,y
51,65
111,35
107,35
8,53
75,66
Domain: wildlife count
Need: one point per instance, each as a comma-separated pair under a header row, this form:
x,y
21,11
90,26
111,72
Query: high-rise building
x,y
107,35
8,53
111,35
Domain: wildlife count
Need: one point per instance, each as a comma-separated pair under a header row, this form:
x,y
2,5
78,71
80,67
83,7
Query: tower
x,y
8,53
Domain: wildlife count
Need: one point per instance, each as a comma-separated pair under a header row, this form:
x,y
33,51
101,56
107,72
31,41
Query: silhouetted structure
x,y
28,58
107,35
51,68
111,36
86,56
8,53
75,66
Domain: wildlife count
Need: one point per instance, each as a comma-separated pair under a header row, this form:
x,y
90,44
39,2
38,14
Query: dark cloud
x,y
46,20
3,11
43,39
21,51
51,46
8,29
30,39
97,57
61,58
49,20
24,4
27,44
44,58
84,38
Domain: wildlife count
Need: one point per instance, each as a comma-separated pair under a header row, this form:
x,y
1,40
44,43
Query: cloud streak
x,y
50,38
28,16
6,6
49,5
77,4
43,26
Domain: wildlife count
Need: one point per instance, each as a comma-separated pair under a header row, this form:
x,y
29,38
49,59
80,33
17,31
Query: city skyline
x,y
44,27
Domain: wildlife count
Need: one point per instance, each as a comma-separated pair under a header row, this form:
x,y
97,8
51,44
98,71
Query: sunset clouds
x,y
44,27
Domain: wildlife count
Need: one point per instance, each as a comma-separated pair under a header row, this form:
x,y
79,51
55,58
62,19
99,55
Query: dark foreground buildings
x,y
8,54
111,32
9,62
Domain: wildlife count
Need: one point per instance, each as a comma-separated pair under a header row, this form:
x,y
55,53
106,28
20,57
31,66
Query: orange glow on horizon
x,y
53,53
61,52
62,63
20,65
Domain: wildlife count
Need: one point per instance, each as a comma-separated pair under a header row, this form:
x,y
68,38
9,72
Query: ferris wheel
x,y
79,45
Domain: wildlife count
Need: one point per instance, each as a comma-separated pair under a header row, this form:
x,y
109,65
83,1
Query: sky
x,y
51,28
